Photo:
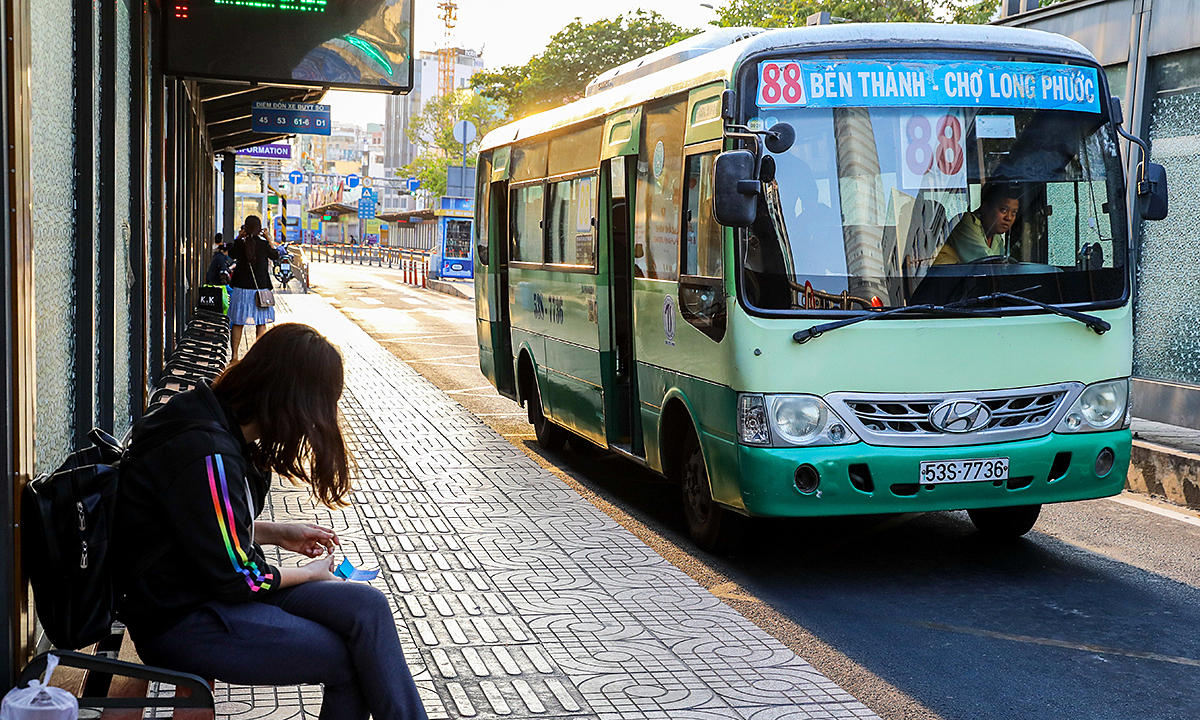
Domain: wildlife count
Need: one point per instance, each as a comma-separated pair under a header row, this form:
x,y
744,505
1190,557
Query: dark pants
x,y
339,634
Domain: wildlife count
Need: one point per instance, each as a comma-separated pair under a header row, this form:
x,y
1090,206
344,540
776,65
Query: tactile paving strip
x,y
513,596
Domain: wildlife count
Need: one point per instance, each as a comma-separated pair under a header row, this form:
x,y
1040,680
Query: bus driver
x,y
979,234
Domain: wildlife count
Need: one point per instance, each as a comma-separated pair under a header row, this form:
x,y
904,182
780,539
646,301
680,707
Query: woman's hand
x,y
319,569
303,538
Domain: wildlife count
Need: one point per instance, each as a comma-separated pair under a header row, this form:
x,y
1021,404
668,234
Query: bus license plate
x,y
956,471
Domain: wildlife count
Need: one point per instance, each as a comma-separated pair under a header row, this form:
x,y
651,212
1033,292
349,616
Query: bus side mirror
x,y
736,188
1152,191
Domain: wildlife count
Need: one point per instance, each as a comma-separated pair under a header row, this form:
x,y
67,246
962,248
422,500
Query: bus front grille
x,y
908,419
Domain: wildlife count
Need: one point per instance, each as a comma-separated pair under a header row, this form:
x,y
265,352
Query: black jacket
x,y
196,494
262,269
216,268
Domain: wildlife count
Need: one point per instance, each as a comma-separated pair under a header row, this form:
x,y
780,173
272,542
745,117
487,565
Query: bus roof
x,y
720,64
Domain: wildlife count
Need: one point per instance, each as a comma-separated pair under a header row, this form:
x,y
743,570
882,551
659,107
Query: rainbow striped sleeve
x,y
223,508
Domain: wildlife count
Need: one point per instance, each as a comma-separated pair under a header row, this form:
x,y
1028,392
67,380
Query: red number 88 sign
x,y
933,150
780,83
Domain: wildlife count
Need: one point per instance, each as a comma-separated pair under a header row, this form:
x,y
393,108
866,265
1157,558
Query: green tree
x,y
575,55
433,130
791,13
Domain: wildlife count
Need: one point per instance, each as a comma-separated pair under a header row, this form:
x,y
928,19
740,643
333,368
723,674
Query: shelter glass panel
x,y
52,140
1167,326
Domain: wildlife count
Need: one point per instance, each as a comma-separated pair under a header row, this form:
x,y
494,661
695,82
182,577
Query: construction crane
x,y
446,55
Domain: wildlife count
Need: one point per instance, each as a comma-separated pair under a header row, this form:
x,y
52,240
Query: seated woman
x,y
979,234
200,595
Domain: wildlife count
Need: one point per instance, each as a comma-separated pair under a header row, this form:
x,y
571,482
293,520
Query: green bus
x,y
834,270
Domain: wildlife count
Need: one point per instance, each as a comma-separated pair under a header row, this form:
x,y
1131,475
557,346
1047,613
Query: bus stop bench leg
x,y
196,694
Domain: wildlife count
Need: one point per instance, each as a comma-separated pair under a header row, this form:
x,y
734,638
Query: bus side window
x,y
527,244
659,203
703,251
702,284
483,201
570,232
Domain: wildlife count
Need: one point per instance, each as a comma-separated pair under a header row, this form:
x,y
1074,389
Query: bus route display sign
x,y
838,83
300,118
354,44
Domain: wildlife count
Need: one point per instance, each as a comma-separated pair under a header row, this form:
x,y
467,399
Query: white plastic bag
x,y
38,702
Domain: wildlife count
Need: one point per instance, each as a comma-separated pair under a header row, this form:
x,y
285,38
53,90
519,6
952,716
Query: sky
x,y
509,33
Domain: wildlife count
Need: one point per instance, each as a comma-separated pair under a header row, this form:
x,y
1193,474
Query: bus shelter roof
x,y
227,111
409,216
336,209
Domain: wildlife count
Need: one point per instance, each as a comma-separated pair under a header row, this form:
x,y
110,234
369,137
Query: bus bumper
x,y
1055,468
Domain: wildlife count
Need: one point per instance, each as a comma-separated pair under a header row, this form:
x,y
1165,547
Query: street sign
x,y
295,177
288,117
368,182
464,131
366,204
351,182
273,151
412,184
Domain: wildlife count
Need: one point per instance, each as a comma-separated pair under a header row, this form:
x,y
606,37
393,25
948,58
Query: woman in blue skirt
x,y
254,253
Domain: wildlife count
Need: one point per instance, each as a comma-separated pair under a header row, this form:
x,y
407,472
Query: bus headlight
x,y
1101,406
798,418
789,421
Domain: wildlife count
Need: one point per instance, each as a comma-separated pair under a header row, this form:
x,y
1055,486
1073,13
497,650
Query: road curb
x,y
448,288
1166,472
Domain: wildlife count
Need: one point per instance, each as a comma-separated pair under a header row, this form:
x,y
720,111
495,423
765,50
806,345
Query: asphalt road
x,y
1093,615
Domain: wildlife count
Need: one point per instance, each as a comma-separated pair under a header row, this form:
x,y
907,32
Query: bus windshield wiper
x,y
1098,325
816,331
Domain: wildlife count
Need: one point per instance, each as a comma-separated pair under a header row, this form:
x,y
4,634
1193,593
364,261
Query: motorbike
x,y
290,266
283,267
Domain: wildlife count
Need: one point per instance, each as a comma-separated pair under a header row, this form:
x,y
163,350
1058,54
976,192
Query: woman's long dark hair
x,y
253,227
289,384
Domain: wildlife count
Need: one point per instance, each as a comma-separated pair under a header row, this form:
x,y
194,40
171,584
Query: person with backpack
x,y
199,594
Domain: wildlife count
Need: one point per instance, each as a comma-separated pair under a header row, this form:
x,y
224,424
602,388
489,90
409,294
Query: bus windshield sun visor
x,y
961,308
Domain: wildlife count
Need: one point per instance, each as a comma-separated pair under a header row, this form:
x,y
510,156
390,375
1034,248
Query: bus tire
x,y
711,526
549,435
1005,522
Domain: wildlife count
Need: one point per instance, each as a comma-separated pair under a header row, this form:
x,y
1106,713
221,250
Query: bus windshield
x,y
894,206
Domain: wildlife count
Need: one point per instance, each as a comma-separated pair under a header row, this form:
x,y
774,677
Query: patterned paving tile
x,y
513,596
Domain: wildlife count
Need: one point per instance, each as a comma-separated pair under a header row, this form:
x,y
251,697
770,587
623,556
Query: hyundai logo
x,y
960,416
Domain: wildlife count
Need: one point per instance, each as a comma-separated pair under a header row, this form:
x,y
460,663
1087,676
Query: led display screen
x,y
358,44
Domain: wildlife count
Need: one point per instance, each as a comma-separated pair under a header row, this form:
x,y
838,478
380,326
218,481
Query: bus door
x,y
621,400
491,271
502,328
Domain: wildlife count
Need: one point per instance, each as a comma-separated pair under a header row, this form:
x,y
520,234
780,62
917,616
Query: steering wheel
x,y
992,260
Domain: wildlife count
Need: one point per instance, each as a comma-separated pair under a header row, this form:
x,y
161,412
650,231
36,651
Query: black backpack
x,y
67,521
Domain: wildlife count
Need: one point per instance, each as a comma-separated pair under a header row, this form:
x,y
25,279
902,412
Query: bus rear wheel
x,y
1005,522
549,435
711,526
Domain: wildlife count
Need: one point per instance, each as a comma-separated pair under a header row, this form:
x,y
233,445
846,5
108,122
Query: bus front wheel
x,y
1005,522
549,435
710,525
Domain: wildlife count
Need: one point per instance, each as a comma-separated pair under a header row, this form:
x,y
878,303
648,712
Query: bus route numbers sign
x,y
288,117
933,150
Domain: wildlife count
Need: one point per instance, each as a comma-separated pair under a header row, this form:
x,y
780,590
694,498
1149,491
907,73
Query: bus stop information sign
x,y
287,117
355,44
